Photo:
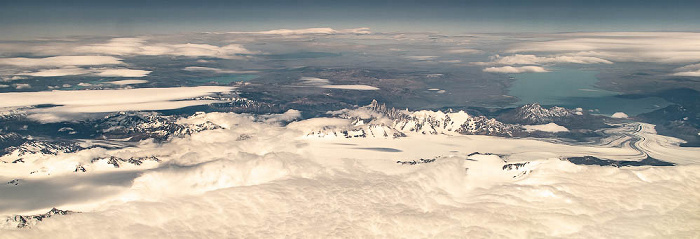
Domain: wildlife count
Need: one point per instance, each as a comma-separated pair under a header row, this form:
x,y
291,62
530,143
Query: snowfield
x,y
259,179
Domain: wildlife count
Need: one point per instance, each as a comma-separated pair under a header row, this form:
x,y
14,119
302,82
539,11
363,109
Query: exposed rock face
x,y
138,125
578,121
131,126
10,139
24,221
377,120
117,161
536,114
40,147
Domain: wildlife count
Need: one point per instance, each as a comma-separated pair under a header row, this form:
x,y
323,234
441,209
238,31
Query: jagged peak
x,y
531,106
421,121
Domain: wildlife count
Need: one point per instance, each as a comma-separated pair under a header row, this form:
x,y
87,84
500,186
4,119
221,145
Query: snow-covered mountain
x,y
536,114
32,146
23,221
378,120
129,126
118,162
137,126
10,139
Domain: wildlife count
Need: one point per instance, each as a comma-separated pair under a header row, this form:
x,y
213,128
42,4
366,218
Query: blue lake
x,y
573,88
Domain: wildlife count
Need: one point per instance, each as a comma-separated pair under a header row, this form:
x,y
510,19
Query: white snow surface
x,y
274,183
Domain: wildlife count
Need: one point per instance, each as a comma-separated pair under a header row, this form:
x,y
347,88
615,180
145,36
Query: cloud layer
x,y
94,101
519,59
310,31
73,71
515,69
61,61
139,46
324,83
689,70
664,47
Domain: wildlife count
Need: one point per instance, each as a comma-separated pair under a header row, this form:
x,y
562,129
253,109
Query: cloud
x,y
465,51
663,47
620,115
693,67
94,101
350,87
65,71
127,82
519,59
688,73
287,116
689,70
325,83
12,78
551,127
313,81
421,58
216,183
310,31
532,60
139,46
256,178
106,97
216,70
121,73
72,71
21,86
71,112
60,61
515,69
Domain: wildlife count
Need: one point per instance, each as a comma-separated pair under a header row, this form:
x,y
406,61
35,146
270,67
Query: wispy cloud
x,y
689,70
72,71
216,70
464,51
64,71
61,61
139,46
325,83
75,103
350,87
515,69
121,72
519,59
663,47
127,82
421,58
310,31
21,86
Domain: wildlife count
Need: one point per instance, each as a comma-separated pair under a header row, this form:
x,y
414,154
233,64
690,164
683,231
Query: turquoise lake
x,y
572,88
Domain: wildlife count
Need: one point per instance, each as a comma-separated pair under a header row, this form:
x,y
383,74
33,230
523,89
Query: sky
x,y
48,18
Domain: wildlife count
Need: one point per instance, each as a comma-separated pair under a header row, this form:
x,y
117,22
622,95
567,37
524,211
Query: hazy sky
x,y
33,18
